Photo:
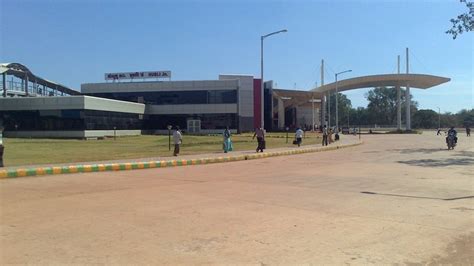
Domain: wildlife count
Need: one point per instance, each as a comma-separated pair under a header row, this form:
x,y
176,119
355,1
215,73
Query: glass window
x,y
69,120
174,97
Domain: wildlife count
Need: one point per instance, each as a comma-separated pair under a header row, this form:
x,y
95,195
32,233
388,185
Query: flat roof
x,y
419,81
80,102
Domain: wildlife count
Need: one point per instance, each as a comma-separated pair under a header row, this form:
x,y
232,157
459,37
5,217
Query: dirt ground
x,y
395,199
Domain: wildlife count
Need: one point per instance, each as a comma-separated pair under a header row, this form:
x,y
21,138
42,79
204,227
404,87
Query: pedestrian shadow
x,y
440,163
421,150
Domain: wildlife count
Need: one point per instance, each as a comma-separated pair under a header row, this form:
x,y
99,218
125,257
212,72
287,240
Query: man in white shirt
x,y
177,140
299,136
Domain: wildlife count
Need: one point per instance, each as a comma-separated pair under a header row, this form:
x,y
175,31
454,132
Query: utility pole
x,y
439,118
407,96
399,105
323,98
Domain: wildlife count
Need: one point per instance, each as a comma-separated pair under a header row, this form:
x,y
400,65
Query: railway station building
x,y
132,104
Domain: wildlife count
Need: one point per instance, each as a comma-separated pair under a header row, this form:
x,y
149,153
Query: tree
x,y
448,120
425,118
466,117
344,107
359,116
382,106
463,22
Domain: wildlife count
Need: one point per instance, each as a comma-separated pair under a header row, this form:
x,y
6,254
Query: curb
x,y
88,168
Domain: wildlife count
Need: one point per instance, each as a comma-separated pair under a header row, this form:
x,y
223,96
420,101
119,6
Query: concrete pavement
x,y
395,199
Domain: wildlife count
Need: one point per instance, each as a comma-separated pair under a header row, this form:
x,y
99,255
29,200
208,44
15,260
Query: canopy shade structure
x,y
22,72
420,81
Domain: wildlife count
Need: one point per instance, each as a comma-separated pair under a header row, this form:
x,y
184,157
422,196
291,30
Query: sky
x,y
77,41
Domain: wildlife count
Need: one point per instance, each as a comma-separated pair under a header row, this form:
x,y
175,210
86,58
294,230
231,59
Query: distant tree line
x,y
382,110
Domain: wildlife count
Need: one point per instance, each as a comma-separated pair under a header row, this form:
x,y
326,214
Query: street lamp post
x,y
337,111
312,112
439,118
262,116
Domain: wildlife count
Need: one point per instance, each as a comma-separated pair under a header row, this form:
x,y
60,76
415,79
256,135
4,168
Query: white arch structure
x,y
419,81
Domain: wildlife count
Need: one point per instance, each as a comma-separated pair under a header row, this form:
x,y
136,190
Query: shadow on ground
x,y
464,153
459,252
439,163
410,151
430,151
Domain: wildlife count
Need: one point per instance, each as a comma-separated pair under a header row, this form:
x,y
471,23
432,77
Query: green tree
x,y
449,120
344,107
382,107
425,118
463,22
359,116
465,118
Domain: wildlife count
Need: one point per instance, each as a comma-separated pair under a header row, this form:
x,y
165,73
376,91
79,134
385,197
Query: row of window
x,y
69,120
174,97
102,120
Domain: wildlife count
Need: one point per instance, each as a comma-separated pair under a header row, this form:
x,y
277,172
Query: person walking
x,y
299,136
468,131
260,134
227,145
177,140
325,136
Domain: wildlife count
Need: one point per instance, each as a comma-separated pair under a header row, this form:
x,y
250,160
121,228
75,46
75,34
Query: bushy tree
x,y
425,118
344,106
463,22
449,120
359,116
382,106
466,117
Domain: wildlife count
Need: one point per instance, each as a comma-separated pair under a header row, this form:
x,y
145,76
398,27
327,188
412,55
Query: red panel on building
x,y
257,103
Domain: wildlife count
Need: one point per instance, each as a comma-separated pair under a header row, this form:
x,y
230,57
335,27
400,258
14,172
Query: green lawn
x,y
46,151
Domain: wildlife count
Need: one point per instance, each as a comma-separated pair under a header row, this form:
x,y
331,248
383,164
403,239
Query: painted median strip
x,y
57,170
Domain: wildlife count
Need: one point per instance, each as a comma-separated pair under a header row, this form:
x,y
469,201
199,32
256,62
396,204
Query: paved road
x,y
395,199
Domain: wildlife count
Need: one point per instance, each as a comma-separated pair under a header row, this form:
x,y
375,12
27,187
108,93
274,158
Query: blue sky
x,y
77,41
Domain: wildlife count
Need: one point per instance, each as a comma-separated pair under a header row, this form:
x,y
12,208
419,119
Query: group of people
x,y
453,133
468,131
178,140
259,133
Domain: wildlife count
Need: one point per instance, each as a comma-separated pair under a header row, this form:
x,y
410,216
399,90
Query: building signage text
x,y
138,75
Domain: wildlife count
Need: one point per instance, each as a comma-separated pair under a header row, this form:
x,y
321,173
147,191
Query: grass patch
x,y
50,151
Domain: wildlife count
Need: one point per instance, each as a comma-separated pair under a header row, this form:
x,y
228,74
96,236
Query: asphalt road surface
x,y
394,199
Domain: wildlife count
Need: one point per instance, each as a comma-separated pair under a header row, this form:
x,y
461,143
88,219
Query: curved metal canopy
x,y
20,71
420,81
